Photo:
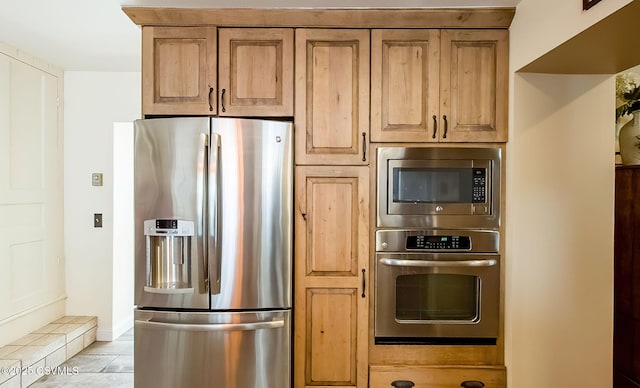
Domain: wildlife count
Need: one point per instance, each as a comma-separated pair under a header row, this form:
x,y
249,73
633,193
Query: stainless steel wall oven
x,y
437,263
437,286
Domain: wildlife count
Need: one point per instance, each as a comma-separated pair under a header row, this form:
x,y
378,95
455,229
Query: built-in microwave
x,y
438,187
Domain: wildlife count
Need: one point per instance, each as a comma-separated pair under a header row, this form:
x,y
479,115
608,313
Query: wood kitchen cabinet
x,y
382,376
254,67
439,85
178,70
332,96
255,72
626,265
331,270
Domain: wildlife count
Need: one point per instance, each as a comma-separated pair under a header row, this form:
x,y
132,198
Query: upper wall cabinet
x,y
254,67
255,72
405,69
178,70
439,85
332,96
474,76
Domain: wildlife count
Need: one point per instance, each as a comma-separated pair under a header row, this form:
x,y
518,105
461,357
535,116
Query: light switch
x,y
97,220
96,179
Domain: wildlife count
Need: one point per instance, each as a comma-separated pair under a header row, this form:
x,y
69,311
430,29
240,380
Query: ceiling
x,y
95,35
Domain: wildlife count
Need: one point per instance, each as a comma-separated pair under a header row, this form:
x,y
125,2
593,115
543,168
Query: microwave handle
x,y
439,263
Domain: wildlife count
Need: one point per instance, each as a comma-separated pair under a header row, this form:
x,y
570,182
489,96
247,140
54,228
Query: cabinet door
x,y
473,85
404,85
255,72
438,376
332,96
178,70
331,269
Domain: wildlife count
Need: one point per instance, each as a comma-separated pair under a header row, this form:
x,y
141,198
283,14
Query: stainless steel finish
x,y
168,255
438,215
238,191
201,198
256,214
170,261
393,240
166,186
205,349
234,179
486,324
436,263
213,327
213,215
393,259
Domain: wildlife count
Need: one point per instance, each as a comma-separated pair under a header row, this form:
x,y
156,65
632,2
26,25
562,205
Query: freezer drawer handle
x,y
434,263
250,326
168,290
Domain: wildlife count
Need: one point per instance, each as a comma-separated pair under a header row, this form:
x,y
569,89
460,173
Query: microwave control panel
x,y
438,242
479,185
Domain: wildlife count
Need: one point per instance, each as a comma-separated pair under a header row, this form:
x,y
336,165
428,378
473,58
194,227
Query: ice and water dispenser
x,y
168,255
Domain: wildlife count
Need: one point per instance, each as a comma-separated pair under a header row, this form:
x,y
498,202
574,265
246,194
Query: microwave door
x,y
430,187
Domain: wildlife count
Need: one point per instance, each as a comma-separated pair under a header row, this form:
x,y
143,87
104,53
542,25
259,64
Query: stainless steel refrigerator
x,y
213,248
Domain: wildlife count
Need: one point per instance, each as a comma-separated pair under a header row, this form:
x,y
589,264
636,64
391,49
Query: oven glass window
x,y
437,297
431,185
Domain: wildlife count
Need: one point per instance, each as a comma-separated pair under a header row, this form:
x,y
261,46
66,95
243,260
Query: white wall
x,y
560,232
123,239
541,25
559,216
93,102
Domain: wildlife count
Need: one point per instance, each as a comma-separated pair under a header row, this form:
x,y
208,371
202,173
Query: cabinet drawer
x,y
381,376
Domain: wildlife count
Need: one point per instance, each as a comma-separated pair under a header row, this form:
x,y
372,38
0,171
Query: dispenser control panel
x,y
171,226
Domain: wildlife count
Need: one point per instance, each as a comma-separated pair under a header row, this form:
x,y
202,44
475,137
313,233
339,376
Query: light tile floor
x,y
102,364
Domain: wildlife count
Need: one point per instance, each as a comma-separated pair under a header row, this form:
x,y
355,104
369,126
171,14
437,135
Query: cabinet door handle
x,y
472,384
222,100
364,282
435,126
364,146
402,384
210,94
446,126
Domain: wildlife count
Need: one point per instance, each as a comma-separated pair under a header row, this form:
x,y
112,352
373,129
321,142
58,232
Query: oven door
x,y
437,298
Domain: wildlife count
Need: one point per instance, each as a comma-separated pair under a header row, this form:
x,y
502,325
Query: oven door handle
x,y
438,263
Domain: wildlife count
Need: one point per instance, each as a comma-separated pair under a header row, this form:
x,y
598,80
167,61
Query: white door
x,y
31,267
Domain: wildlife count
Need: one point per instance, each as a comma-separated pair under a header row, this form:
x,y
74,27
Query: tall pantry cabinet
x,y
331,208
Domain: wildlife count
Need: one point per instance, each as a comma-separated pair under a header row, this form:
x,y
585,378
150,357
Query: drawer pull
x,y
402,384
472,384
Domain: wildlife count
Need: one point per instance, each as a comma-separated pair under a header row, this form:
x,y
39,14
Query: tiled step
x,y
26,360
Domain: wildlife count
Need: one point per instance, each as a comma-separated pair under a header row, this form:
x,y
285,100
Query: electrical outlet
x,y
97,220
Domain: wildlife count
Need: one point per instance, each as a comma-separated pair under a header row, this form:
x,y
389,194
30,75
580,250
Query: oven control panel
x,y
438,242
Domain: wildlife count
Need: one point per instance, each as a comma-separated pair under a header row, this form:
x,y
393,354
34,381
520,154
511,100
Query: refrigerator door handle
x,y
207,327
202,209
214,226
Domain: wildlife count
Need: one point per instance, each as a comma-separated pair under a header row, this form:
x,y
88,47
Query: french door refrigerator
x,y
213,248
